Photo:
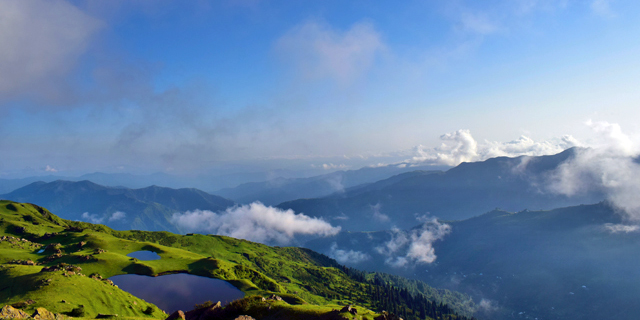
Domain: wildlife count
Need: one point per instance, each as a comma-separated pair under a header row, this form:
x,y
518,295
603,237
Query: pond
x,y
179,291
144,255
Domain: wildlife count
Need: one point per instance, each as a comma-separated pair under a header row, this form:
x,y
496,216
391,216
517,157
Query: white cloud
x,y
49,168
414,246
620,228
460,146
331,166
377,215
608,166
118,215
254,222
40,41
93,218
317,51
486,306
344,256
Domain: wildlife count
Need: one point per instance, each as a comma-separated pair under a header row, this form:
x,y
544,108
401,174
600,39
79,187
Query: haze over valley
x,y
320,160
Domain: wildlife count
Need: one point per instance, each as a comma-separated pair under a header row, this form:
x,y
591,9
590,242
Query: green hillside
x,y
81,254
149,208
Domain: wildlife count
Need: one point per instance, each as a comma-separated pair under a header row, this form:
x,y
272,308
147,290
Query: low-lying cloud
x,y
347,256
609,166
254,222
116,216
98,219
414,246
460,146
92,217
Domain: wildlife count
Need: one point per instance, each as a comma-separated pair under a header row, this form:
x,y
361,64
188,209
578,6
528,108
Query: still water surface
x,y
144,255
179,291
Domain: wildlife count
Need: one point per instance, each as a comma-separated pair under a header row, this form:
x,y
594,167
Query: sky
x,y
211,86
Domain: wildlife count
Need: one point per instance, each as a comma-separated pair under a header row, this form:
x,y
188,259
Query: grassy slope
x,y
300,276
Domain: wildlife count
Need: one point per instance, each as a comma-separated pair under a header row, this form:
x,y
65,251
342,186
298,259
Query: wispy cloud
x,y
620,228
377,214
41,42
415,246
477,23
116,216
254,222
609,165
92,217
347,256
318,51
603,8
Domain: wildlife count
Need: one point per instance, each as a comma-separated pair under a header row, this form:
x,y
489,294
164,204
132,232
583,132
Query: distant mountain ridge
x,y
147,208
512,184
275,191
566,263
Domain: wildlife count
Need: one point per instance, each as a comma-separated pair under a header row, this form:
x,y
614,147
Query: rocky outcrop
x,y
9,312
275,298
43,314
23,262
178,315
350,309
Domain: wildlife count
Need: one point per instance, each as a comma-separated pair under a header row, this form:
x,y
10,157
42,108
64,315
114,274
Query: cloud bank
x,y
460,146
414,246
610,166
254,222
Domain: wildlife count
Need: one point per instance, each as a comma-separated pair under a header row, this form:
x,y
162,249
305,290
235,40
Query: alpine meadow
x,y
319,160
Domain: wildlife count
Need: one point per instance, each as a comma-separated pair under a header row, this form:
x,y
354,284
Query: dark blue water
x,y
179,291
144,255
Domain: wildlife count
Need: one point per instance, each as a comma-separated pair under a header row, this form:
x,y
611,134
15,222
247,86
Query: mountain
x,y
48,264
202,181
279,190
568,263
147,208
512,184
8,185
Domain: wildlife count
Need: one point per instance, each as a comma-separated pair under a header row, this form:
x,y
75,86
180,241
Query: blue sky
x,y
186,87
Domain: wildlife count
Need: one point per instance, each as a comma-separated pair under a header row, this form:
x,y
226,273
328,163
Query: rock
x,y
204,313
9,312
350,309
178,315
243,317
274,297
43,314
81,244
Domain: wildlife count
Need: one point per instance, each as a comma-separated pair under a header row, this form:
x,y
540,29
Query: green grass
x,y
310,283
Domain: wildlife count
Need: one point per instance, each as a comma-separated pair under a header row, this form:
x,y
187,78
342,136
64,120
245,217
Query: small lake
x,y
179,291
144,255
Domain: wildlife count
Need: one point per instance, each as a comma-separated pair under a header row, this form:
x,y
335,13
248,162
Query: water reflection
x,y
144,255
177,291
